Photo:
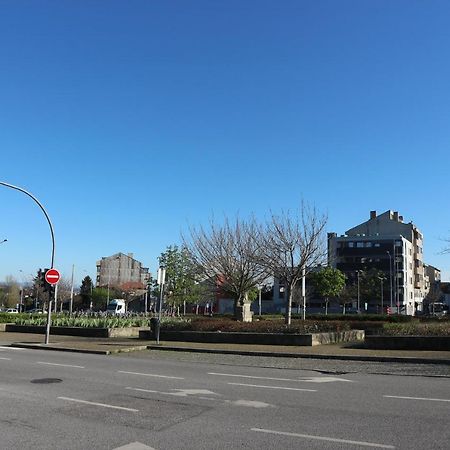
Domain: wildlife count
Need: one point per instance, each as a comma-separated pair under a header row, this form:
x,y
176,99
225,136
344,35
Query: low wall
x,y
407,342
257,338
76,331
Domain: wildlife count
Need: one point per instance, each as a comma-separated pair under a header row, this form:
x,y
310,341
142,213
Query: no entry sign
x,y
52,276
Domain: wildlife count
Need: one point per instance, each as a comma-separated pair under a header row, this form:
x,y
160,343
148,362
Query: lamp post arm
x,y
43,210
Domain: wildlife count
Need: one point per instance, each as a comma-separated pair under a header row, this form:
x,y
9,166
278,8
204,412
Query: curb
x,y
398,359
395,359
79,350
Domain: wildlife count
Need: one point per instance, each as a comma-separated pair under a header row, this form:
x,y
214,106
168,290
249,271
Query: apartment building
x,y
122,270
384,242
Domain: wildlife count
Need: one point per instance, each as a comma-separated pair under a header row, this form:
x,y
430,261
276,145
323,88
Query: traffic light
x,y
42,282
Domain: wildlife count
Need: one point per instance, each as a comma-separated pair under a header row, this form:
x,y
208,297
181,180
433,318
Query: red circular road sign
x,y
52,276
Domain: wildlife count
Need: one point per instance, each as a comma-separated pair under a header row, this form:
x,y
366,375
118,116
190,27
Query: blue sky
x,y
130,120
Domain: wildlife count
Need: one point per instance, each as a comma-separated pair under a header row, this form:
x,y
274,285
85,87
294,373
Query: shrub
x,y
264,326
417,329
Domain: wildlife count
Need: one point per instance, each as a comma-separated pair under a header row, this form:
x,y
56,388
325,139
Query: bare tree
x,y
293,245
229,256
12,292
447,248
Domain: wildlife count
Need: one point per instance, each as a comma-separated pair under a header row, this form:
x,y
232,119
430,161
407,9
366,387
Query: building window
x,y
368,244
360,244
351,244
377,244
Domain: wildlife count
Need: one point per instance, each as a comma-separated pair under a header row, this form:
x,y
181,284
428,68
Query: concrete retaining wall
x,y
257,338
408,342
76,331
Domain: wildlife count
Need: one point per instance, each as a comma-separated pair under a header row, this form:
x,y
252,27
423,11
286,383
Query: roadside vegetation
x,y
84,321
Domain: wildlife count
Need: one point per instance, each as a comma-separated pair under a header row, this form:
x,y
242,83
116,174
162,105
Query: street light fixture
x,y
358,304
4,240
381,281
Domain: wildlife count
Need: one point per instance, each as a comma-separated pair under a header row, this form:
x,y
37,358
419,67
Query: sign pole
x,y
52,277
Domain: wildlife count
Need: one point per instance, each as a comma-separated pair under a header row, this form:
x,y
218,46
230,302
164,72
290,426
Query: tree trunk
x,y
288,316
326,307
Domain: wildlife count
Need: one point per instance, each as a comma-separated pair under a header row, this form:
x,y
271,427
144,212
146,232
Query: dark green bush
x,y
263,326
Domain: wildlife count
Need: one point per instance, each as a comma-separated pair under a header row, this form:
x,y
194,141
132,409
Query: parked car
x,y
35,311
12,311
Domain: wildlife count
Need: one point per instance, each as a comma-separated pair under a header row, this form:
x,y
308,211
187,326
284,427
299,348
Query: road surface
x,y
159,400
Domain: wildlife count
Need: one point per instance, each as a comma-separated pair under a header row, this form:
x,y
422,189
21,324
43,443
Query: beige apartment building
x,y
123,271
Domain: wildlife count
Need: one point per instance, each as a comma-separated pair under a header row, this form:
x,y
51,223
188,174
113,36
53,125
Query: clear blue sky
x,y
130,120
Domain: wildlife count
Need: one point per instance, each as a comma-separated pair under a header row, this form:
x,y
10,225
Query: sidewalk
x,y
106,346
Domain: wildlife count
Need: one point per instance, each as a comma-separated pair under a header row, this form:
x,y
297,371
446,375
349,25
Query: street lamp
x,y
17,188
381,281
390,275
4,240
357,275
161,282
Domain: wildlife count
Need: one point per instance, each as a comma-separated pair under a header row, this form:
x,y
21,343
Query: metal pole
x,y
390,276
53,244
71,291
381,281
159,312
357,275
56,297
145,302
109,280
43,210
49,318
304,292
259,300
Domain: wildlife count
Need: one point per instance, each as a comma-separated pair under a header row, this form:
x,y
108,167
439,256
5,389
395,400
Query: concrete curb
x,y
395,359
398,359
79,350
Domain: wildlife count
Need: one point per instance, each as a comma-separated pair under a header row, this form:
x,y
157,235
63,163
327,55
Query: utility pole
x,y
71,291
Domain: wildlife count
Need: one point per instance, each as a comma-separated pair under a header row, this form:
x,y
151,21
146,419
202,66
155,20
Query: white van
x,y
116,306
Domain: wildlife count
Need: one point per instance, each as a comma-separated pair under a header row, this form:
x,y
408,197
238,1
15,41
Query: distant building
x,y
386,243
122,271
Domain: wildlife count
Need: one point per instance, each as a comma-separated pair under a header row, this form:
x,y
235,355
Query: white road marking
x,y
179,393
325,380
2,347
305,380
150,375
322,438
62,365
186,392
250,376
419,398
134,446
249,403
273,387
8,359
104,405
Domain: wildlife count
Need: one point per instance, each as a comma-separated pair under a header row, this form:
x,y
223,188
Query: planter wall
x,y
76,331
407,342
257,338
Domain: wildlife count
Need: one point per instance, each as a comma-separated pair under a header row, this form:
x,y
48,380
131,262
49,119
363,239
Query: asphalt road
x,y
55,400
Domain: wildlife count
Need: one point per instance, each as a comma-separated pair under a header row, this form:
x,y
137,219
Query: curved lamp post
x,y
17,188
